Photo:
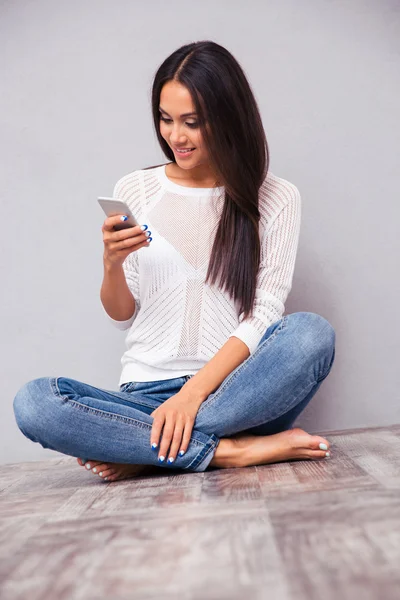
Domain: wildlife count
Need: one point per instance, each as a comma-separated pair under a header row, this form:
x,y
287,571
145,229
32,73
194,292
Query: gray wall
x,y
75,117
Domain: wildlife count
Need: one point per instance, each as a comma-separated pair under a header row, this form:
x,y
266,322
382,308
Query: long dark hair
x,y
238,154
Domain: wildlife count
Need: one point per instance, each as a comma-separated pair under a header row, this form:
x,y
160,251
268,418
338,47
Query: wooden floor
x,y
287,531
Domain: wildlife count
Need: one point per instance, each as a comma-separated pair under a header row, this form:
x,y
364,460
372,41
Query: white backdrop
x,y
75,117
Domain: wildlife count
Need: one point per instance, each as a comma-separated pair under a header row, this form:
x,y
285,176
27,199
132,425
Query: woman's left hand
x,y
175,418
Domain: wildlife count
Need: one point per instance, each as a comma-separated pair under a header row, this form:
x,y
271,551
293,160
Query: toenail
x,y
327,454
88,466
101,473
95,470
323,447
84,461
105,479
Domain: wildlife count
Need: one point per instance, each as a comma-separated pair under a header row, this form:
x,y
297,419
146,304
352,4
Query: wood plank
x,y
295,530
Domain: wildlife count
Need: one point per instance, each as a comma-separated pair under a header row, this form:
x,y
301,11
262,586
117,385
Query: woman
x,y
213,373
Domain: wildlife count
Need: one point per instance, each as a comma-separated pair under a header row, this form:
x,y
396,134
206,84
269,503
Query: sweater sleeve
x,y
274,279
126,189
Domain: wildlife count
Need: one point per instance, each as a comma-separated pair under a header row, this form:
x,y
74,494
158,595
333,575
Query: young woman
x,y
213,373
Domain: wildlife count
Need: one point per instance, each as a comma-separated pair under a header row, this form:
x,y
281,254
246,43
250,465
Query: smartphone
x,y
113,206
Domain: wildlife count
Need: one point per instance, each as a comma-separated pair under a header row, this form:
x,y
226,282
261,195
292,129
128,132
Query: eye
x,y
193,125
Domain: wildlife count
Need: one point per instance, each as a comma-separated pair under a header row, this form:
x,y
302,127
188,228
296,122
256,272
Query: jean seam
x,y
198,462
212,448
306,389
102,413
243,365
142,403
111,393
212,443
129,386
329,368
315,383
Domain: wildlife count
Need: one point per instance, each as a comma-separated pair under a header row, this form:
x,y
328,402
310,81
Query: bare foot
x,y
115,471
248,450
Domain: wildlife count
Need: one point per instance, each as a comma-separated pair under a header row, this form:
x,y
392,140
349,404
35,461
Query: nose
x,y
176,137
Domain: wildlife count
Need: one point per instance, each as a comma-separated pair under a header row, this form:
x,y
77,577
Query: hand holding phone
x,y
121,237
113,207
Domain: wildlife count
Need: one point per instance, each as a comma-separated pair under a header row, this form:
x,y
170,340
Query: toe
x,y
110,475
100,467
318,454
321,443
316,442
92,463
107,473
113,476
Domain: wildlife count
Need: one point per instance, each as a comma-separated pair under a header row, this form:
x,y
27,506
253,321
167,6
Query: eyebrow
x,y
184,115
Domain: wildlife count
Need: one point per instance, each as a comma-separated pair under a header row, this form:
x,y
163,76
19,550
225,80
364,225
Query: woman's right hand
x,y
118,244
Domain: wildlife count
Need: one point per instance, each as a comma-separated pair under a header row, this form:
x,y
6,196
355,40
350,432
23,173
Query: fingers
x,y
172,429
118,244
110,222
130,243
156,429
176,441
167,435
171,432
175,437
186,436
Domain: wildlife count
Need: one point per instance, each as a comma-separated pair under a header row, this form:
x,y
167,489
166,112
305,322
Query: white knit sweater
x,y
181,322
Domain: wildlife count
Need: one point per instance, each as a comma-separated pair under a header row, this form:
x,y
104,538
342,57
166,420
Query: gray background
x,y
75,117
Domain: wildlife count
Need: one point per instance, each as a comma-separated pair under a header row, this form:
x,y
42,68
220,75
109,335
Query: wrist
x,y
193,393
111,268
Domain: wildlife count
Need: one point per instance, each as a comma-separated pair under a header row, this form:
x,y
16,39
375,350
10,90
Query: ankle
x,y
228,454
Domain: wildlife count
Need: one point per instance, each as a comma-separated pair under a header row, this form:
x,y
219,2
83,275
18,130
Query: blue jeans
x,y
263,395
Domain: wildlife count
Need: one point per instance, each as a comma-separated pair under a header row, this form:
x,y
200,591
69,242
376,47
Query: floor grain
x,y
296,530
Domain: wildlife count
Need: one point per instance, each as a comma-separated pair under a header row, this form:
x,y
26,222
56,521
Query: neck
x,y
201,175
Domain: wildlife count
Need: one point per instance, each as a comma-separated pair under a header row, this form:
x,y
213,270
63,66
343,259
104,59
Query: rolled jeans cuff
x,y
204,457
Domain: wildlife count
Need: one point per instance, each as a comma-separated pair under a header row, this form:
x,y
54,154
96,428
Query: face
x,y
181,131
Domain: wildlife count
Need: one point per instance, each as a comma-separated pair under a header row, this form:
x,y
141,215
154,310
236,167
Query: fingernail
x,y
327,455
323,447
143,227
161,458
171,459
124,218
154,445
181,452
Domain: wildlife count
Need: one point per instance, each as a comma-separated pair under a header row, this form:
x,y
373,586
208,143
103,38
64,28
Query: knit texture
x,y
181,322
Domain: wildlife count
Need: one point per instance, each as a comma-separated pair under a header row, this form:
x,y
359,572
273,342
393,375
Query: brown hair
x,y
238,153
